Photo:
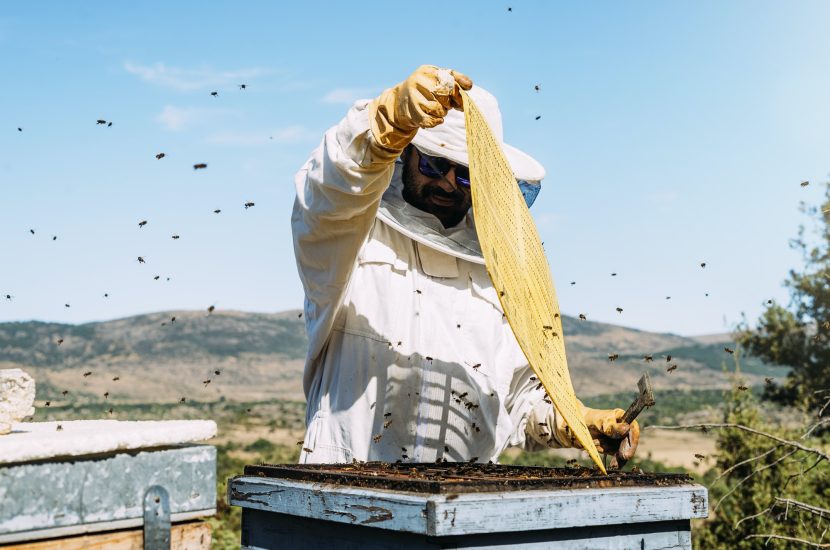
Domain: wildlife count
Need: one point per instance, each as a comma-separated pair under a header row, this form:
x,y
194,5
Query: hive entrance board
x,y
517,266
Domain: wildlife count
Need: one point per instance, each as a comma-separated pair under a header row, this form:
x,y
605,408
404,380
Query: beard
x,y
420,195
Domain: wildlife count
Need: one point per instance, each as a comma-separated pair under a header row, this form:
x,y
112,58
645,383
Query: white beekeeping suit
x,y
410,357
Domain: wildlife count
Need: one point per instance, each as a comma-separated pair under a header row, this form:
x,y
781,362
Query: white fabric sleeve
x,y
537,423
338,192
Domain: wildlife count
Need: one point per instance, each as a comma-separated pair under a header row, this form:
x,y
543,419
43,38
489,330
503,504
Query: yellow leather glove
x,y
420,101
611,435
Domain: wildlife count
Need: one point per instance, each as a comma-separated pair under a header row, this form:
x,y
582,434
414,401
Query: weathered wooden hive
x,y
379,505
107,484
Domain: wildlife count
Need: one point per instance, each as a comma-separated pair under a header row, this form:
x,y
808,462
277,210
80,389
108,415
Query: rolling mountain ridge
x,y
164,356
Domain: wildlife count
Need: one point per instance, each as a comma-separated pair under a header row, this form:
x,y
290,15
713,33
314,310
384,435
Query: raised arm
x,y
340,187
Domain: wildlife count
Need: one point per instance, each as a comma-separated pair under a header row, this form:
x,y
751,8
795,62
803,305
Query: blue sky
x,y
673,133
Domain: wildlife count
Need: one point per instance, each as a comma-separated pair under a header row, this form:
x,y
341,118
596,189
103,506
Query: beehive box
x,y
378,505
63,483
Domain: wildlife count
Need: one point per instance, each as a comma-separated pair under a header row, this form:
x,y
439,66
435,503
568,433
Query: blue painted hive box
x,y
458,505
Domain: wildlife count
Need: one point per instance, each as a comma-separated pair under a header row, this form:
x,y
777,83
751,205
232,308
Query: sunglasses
x,y
438,167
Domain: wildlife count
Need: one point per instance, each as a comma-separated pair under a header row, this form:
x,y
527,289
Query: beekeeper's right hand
x,y
420,101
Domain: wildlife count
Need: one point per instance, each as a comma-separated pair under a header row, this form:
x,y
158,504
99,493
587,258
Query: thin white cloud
x,y
289,134
189,80
347,95
180,118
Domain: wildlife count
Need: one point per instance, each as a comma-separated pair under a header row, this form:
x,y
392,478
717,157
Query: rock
x,y
17,394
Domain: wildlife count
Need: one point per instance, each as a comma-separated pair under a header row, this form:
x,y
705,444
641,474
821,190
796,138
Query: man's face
x,y
442,197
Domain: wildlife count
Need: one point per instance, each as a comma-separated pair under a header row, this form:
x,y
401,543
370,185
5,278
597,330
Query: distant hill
x,y
260,356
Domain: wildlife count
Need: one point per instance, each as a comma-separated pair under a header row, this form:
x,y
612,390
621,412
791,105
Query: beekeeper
x,y
410,356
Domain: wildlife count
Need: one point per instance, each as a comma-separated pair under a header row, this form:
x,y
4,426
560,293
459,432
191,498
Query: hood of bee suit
x,y
449,139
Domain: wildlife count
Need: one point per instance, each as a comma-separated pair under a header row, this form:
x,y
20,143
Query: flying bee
x,y
106,395
648,358
428,358
619,310
377,438
87,373
805,183
109,124
142,223
613,274
671,368
217,372
547,327
742,388
160,156
59,428
300,442
702,264
66,305
175,237
214,94
211,309
538,117
306,449
116,378
200,166
573,283
48,403
60,341
583,317
157,277
64,392
32,231
699,456
217,211
473,460
206,382
249,204
243,86
141,260
182,400
387,415
668,358
100,121
613,356
54,237
768,380
8,297
533,379
476,367
729,350
537,87
387,424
